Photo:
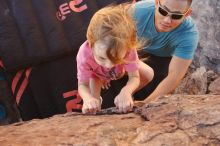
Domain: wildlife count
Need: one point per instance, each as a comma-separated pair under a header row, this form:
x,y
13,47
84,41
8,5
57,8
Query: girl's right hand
x,y
91,105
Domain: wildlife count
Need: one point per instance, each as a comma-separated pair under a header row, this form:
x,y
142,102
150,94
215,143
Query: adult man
x,y
171,39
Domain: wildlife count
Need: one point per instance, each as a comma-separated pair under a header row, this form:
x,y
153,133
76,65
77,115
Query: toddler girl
x,y
109,53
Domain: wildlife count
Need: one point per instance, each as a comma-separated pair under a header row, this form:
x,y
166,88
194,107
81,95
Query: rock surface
x,y
215,86
194,83
199,82
206,15
180,120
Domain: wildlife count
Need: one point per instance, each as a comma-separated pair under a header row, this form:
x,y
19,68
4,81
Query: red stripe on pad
x,y
1,64
15,80
74,103
23,85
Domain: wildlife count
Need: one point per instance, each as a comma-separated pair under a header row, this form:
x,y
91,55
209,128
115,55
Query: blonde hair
x,y
115,23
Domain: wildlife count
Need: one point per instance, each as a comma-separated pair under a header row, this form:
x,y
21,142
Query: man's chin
x,y
165,29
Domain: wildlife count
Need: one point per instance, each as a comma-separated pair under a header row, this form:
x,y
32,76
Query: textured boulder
x,y
199,82
215,86
179,120
194,83
206,14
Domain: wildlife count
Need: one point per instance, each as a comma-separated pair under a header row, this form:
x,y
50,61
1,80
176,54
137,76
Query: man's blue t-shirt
x,y
181,42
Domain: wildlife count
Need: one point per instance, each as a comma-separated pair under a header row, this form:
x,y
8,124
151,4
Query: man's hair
x,y
115,27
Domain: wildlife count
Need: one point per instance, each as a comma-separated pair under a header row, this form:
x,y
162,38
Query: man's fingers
x,y
139,103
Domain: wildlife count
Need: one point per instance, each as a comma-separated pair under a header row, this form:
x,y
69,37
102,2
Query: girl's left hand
x,y
124,102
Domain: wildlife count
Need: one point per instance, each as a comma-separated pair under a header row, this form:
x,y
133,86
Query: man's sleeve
x,y
187,46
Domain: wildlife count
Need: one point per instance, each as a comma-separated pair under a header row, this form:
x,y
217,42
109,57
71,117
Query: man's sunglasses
x,y
174,16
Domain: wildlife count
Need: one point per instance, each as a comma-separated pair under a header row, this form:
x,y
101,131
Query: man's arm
x,y
177,69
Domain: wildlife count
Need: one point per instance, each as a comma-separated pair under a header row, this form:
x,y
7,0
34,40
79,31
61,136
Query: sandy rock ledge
x,y
179,120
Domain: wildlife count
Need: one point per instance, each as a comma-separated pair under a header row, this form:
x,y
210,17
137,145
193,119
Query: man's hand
x,y
139,103
177,69
124,102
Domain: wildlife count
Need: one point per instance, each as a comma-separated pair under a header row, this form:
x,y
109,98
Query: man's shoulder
x,y
186,39
189,25
187,30
142,10
145,5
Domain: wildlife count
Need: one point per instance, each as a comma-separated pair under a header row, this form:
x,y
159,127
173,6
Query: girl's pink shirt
x,y
88,68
